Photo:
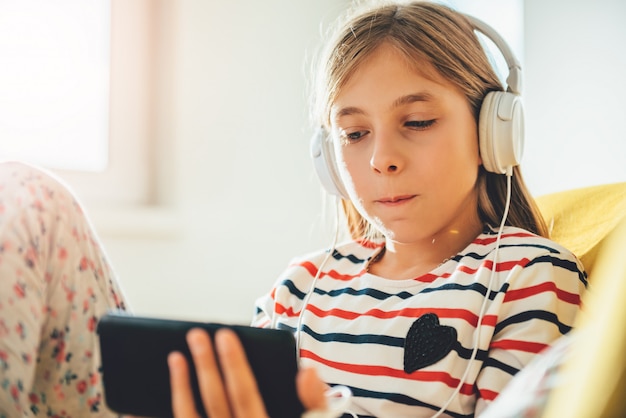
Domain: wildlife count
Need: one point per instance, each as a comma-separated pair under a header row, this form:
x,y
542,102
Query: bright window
x,y
54,82
79,93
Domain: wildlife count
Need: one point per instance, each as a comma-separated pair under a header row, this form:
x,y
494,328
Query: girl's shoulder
x,y
530,257
521,240
353,252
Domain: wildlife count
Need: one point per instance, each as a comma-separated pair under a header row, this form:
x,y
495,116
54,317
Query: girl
x,y
446,288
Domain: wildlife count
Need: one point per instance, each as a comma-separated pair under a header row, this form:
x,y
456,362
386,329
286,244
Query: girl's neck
x,y
399,261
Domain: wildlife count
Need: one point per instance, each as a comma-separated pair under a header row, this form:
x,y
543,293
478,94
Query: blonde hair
x,y
444,40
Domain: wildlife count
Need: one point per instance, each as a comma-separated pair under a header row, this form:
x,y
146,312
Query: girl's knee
x,y
25,187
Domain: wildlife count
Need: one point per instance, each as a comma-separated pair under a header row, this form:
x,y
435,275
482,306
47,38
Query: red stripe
x,y
491,240
469,317
526,292
426,278
487,264
488,395
370,244
368,370
333,274
310,267
429,277
264,324
344,277
503,266
490,320
281,310
526,346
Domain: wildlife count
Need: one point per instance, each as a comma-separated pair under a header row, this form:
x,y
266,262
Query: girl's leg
x,y
55,282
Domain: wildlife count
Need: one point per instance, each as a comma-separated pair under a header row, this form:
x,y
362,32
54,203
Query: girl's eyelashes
x,y
420,124
349,137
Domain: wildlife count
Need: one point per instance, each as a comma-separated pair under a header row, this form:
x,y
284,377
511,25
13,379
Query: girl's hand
x,y
235,396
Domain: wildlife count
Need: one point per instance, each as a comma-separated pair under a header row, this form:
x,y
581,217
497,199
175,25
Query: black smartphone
x,y
135,373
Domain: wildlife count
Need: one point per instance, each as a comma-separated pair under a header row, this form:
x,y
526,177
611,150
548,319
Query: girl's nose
x,y
390,168
386,157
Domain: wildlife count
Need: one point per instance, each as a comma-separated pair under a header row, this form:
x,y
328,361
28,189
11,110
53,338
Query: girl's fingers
x,y
237,388
212,389
311,389
182,395
240,382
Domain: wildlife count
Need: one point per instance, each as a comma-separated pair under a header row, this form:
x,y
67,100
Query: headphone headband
x,y
514,79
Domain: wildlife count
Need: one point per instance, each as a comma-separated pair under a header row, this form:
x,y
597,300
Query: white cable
x,y
339,396
305,302
484,304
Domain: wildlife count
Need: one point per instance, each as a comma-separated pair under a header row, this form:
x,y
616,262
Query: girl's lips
x,y
395,200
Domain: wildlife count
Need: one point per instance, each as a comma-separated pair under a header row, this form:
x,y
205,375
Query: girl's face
x,y
407,149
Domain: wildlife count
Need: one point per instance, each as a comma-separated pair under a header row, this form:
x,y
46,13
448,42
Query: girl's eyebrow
x,y
347,111
412,98
401,101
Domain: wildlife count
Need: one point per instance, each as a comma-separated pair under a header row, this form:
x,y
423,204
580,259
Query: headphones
x,y
500,125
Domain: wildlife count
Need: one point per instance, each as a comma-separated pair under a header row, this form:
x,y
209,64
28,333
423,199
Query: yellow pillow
x,y
580,219
591,222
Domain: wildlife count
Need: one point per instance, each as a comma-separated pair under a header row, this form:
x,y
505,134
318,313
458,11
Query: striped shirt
x,y
402,346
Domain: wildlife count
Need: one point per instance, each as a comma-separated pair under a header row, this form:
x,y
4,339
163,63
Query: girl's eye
x,y
420,124
350,137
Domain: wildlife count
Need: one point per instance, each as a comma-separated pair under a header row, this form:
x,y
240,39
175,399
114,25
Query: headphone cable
x,y
305,302
483,307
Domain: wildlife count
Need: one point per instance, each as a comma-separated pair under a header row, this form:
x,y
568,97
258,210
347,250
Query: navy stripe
x,y
466,353
530,315
497,364
385,340
351,257
380,295
543,247
476,287
400,398
282,325
289,284
354,339
564,264
373,293
474,255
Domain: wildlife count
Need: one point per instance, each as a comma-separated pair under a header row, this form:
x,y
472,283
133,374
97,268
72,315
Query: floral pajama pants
x,y
55,282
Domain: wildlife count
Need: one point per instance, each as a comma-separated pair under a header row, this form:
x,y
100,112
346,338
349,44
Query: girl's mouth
x,y
395,200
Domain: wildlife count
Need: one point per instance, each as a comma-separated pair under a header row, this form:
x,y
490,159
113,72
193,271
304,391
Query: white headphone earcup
x,y
325,164
501,131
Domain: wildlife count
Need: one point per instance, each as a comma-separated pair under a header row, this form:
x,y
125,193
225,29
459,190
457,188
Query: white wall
x,y
241,194
575,85
241,190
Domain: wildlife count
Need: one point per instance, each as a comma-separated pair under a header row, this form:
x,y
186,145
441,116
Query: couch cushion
x,y
580,219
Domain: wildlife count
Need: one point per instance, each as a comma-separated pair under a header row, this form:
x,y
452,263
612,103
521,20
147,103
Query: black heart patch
x,y
427,342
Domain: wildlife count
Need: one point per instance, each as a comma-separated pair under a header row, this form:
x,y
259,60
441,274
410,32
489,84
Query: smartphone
x,y
135,373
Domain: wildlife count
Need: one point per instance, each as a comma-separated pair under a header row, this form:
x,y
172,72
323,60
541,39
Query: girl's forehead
x,y
399,59
388,61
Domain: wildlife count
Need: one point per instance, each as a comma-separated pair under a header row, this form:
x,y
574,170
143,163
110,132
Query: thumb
x,y
311,389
